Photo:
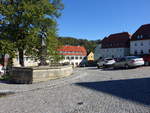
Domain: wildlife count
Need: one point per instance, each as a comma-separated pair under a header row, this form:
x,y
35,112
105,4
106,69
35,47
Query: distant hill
x,y
88,44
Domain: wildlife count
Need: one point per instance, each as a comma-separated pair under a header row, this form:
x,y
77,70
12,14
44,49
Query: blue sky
x,y
95,19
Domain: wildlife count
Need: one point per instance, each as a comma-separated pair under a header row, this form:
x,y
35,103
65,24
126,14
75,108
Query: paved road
x,y
88,90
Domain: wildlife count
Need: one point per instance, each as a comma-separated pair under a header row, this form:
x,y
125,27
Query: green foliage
x,y
52,49
88,44
5,77
6,47
21,21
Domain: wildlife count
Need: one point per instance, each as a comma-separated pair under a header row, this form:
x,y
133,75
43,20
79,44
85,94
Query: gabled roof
x,y
144,30
118,36
73,50
116,40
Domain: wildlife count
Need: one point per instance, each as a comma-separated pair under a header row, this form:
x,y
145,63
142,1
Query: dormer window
x,y
138,37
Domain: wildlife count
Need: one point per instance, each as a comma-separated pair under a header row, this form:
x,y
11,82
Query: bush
x,y
5,77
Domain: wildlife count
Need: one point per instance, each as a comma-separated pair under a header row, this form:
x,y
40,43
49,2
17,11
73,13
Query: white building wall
x,y
138,46
28,61
114,52
31,62
74,60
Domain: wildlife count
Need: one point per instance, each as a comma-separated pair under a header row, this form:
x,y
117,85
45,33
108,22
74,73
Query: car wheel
x,y
98,67
126,66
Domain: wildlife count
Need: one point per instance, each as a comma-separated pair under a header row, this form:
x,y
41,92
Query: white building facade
x,y
114,52
74,60
115,46
28,61
140,47
140,41
73,55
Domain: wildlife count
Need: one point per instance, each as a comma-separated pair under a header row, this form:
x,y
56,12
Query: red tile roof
x,y
117,40
144,30
73,50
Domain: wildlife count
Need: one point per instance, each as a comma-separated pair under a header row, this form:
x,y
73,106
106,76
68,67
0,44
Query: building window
x,y
80,57
149,50
121,44
135,52
135,44
141,36
76,63
72,58
138,37
32,59
141,51
141,43
27,58
76,58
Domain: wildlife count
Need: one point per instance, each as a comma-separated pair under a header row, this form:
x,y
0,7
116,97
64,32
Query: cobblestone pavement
x,y
88,90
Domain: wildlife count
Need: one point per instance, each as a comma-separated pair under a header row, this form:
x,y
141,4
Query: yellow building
x,y
90,57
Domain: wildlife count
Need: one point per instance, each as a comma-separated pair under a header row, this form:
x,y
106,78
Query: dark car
x,y
146,59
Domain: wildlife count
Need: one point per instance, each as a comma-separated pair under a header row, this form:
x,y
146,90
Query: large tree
x,y
22,21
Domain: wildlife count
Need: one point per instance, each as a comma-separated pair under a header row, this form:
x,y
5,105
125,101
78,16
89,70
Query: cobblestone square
x,y
88,90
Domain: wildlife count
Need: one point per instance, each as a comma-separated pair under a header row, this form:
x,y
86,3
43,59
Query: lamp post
x,y
43,50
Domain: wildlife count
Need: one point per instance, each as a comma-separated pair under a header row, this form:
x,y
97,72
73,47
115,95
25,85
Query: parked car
x,y
82,65
146,59
107,62
129,61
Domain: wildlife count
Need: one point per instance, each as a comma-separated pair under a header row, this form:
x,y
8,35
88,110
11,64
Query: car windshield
x,y
133,57
109,59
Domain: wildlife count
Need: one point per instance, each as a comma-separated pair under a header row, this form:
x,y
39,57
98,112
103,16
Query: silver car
x,y
129,61
107,62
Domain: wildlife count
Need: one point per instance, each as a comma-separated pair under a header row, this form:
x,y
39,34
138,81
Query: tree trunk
x,y
21,57
3,60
